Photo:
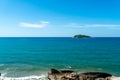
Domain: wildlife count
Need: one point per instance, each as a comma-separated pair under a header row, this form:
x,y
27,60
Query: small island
x,y
81,36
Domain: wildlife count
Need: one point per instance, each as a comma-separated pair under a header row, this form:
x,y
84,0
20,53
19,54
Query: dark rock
x,y
53,71
97,74
66,71
94,76
54,74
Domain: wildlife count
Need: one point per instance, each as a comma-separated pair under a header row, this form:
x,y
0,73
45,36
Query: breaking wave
x,y
32,77
115,78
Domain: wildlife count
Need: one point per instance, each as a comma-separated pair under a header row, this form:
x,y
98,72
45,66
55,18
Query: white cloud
x,y
75,25
103,25
42,24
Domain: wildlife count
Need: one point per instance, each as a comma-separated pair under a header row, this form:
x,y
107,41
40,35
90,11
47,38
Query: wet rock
x,y
54,74
94,76
53,71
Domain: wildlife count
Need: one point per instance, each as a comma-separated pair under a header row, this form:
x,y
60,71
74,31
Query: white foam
x,y
115,78
1,64
33,77
42,77
68,67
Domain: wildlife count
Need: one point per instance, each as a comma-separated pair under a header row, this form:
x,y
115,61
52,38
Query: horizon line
x,y
53,36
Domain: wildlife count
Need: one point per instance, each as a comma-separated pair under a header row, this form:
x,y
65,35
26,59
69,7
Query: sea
x,y
30,58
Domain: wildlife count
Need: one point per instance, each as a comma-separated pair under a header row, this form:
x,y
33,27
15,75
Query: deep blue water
x,y
26,56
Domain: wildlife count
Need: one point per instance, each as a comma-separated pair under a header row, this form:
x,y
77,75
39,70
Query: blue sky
x,y
59,18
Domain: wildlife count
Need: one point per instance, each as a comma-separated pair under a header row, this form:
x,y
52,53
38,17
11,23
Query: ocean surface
x,y
30,57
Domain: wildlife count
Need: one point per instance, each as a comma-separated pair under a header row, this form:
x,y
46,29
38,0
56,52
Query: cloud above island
x,y
75,25
42,24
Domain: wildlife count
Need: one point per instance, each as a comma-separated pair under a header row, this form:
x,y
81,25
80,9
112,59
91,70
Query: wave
x,y
32,77
41,77
115,78
36,77
1,65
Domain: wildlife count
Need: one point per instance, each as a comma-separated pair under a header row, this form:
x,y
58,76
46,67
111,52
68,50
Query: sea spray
x,y
115,78
42,77
32,77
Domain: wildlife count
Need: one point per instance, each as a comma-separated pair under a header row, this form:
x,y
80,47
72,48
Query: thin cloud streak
x,y
75,25
42,24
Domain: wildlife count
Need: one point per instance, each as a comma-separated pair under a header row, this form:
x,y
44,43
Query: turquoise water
x,y
34,56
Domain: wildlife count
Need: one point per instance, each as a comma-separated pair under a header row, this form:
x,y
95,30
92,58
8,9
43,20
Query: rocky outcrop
x,y
54,74
94,76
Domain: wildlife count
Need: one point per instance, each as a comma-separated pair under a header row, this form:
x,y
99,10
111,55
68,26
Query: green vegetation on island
x,y
81,36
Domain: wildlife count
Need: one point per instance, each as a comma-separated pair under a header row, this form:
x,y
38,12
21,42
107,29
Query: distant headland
x,y
81,36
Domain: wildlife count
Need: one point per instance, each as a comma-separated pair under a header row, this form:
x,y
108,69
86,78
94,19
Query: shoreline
x,y
45,76
41,77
